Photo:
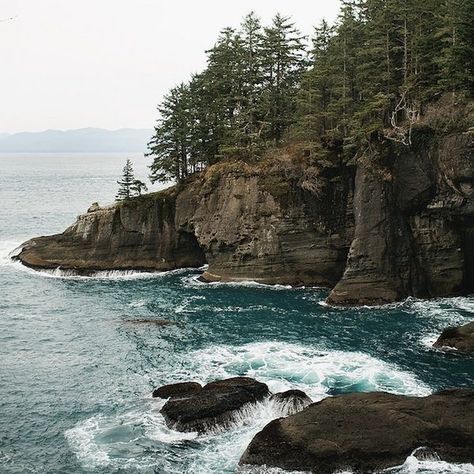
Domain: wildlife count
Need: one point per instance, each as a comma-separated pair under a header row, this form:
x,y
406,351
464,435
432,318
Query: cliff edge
x,y
391,222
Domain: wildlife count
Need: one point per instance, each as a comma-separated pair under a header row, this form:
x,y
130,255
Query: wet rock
x,y
183,389
367,432
291,401
156,322
214,405
460,338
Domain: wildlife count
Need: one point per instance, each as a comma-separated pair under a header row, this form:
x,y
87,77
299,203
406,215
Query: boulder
x,y
94,207
460,338
291,401
182,389
366,432
212,406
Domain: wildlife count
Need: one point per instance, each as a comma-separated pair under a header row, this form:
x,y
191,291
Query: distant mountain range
x,y
80,140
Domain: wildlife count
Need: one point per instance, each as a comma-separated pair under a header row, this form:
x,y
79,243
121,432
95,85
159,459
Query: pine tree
x,y
248,118
283,63
138,187
315,93
170,147
373,71
125,190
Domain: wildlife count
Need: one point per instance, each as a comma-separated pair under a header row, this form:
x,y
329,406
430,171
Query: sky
x,y
107,63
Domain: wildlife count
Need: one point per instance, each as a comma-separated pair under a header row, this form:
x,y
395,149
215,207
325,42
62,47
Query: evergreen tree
x,y
315,93
125,190
373,71
248,118
171,144
283,63
138,187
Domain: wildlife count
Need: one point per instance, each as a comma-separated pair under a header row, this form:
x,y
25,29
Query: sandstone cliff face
x,y
285,224
413,223
394,222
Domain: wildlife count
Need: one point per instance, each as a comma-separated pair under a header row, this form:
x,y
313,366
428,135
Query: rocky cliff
x,y
266,223
390,222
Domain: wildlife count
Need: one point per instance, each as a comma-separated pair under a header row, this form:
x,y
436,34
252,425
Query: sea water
x,y
77,373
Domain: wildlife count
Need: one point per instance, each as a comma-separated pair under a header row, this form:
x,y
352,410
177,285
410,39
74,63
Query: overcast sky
x,y
106,63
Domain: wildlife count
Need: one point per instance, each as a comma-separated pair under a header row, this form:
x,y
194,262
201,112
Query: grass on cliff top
x,y
165,194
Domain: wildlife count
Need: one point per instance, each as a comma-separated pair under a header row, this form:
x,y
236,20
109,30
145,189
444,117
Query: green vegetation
x,y
128,185
373,72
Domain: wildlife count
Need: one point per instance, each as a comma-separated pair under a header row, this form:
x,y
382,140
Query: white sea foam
x,y
429,464
8,249
113,440
11,248
82,442
284,366
194,281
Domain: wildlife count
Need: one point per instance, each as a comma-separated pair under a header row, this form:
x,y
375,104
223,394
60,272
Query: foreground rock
x,y
212,406
367,432
291,401
183,389
460,338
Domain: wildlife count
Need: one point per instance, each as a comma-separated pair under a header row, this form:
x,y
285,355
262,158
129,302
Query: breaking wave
x,y
112,440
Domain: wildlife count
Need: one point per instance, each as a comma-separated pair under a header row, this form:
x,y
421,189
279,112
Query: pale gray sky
x,y
106,63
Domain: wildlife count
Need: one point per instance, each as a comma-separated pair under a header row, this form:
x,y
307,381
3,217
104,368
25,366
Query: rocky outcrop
x,y
391,222
212,406
460,338
414,218
182,389
137,235
291,401
284,223
367,432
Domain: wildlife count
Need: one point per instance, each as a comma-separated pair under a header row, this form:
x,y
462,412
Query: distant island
x,y
80,140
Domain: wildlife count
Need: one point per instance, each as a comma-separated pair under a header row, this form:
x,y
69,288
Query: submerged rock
x,y
214,405
460,338
156,322
367,432
291,401
182,389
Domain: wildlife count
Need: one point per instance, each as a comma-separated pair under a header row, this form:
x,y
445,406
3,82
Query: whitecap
x,y
429,464
195,281
81,441
284,366
9,249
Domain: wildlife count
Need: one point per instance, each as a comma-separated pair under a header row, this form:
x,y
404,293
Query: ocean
x,y
77,373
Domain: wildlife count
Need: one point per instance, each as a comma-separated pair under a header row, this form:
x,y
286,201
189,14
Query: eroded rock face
x,y
291,227
214,405
367,432
414,217
393,223
460,338
137,235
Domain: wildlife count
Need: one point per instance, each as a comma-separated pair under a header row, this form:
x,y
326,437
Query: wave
x,y
429,464
194,281
11,248
284,366
117,440
112,442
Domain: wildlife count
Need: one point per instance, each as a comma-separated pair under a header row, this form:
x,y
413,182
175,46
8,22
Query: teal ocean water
x,y
77,373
